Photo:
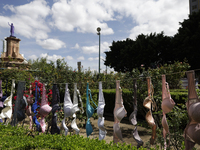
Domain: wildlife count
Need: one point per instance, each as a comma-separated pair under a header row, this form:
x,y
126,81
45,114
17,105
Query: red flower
x,y
15,97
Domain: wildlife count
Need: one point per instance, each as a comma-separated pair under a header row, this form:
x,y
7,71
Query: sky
x,y
67,29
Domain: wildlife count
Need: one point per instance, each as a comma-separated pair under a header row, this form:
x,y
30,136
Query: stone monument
x,y
12,58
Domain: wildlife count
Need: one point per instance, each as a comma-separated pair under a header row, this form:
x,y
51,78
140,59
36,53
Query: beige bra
x,y
192,130
150,104
119,113
167,105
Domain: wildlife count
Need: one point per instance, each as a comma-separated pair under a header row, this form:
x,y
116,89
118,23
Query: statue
x,y
11,29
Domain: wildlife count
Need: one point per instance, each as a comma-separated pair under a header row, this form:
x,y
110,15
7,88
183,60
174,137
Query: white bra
x,y
100,111
7,111
71,108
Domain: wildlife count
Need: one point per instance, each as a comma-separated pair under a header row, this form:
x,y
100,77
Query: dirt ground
x,y
125,126
126,129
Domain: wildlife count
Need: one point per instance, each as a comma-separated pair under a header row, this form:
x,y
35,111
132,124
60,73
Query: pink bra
x,y
192,130
45,109
119,113
148,102
167,105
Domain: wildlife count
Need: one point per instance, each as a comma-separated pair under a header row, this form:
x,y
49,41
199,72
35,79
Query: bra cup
x,y
101,124
29,100
194,111
45,110
67,111
100,110
74,109
117,131
137,137
165,124
102,134
132,118
167,105
8,101
89,110
74,125
147,103
193,132
120,113
89,128
150,119
28,111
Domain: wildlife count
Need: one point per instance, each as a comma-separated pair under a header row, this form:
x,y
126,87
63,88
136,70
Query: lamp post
x,y
98,30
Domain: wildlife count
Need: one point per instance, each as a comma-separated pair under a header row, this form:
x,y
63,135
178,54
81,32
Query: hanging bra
x,y
7,111
119,113
132,117
100,111
20,104
150,104
30,102
35,106
29,113
55,107
45,109
70,109
192,130
167,105
2,98
89,111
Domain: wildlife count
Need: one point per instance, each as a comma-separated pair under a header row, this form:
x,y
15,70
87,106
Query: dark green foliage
x,y
186,41
149,50
20,138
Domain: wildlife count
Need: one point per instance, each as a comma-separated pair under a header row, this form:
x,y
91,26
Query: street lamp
x,y
98,30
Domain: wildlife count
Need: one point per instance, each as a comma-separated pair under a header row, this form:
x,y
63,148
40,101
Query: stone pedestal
x,y
12,58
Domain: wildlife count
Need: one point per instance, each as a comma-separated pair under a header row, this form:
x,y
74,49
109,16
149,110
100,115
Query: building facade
x,y
194,5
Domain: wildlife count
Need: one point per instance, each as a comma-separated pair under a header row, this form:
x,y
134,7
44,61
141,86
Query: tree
x,y
149,50
186,41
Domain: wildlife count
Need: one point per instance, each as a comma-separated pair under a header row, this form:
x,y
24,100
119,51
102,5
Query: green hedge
x,y
178,95
20,138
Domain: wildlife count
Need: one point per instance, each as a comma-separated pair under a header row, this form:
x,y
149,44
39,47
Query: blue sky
x,y
67,28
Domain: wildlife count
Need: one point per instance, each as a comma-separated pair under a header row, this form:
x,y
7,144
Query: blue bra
x,y
89,111
34,107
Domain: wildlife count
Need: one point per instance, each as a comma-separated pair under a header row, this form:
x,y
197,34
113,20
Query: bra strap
x,y
91,98
82,110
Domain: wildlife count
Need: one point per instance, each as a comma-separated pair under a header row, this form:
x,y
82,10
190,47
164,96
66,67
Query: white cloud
x,y
95,49
33,57
81,58
28,19
91,58
76,46
51,44
69,58
90,49
54,57
156,16
85,16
